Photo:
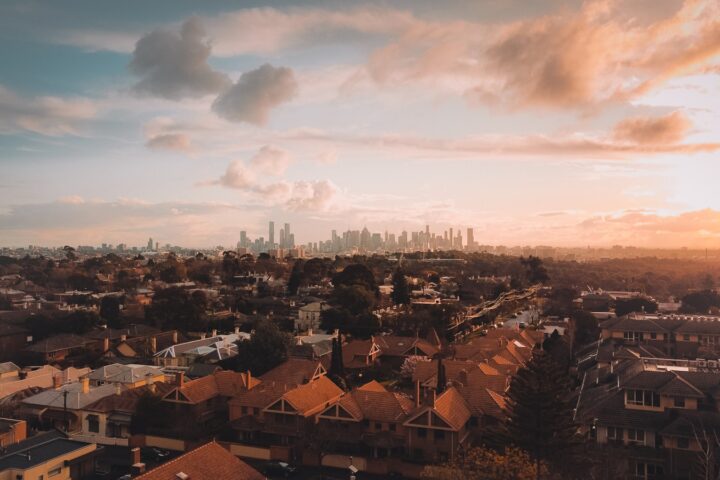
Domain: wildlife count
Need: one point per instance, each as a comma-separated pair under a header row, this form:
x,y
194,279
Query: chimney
x,y
137,469
180,379
123,337
309,332
417,393
175,337
214,332
85,381
203,336
106,344
57,381
249,378
118,388
153,344
135,456
237,330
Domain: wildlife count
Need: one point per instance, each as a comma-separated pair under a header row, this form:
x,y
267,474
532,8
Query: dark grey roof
x,y
37,450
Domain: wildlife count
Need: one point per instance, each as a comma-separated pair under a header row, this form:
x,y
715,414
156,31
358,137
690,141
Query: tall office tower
x,y
470,238
452,240
287,236
282,238
291,241
243,239
150,244
271,236
458,241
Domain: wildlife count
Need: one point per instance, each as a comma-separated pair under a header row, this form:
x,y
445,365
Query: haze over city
x,y
559,123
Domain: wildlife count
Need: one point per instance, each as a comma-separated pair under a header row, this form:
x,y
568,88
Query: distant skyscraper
x,y
243,239
288,236
282,238
470,238
150,244
271,236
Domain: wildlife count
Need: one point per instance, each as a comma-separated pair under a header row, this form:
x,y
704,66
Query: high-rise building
x,y
287,236
470,238
282,238
243,239
271,236
150,244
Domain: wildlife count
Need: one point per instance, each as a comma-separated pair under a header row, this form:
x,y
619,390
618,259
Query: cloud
x,y
177,142
665,130
71,200
46,115
271,161
175,66
256,93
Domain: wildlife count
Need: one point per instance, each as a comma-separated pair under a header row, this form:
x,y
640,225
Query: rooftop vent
x,y
182,475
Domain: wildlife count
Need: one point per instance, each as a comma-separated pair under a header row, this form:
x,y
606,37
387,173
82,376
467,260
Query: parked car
x,y
280,468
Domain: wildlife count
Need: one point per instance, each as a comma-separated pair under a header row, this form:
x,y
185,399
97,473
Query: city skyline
x,y
564,123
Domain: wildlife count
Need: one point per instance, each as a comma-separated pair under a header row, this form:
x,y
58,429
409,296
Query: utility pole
x,y
65,416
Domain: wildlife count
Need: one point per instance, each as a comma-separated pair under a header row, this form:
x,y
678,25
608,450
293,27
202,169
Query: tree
x,y
441,377
296,278
356,274
700,302
110,311
487,464
535,271
401,292
267,348
337,367
585,327
636,304
540,417
174,308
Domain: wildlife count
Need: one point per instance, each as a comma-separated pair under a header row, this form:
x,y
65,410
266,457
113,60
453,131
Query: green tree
x,y
401,291
487,464
635,304
174,308
535,271
267,348
110,311
296,277
540,416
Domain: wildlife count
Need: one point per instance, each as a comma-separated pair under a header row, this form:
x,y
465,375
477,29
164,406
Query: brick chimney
x,y
85,381
237,330
180,379
57,381
417,393
135,456
153,344
214,332
174,336
249,379
137,469
106,344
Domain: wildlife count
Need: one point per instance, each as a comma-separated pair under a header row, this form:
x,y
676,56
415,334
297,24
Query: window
x,y
683,443
422,433
679,402
653,335
378,426
614,433
686,337
392,427
439,435
642,397
54,471
636,436
93,423
631,336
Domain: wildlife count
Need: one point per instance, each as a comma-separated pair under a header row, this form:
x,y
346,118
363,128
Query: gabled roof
x,y
56,343
128,400
398,346
307,399
117,372
224,383
375,403
451,409
209,461
295,371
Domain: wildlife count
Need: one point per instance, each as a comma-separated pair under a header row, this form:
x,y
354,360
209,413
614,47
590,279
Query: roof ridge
x,y
175,460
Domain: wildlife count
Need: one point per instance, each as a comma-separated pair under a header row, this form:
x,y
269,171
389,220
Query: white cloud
x,y
178,142
46,115
271,161
256,93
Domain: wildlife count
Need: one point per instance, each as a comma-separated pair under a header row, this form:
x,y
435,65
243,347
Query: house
x,y
48,455
361,354
12,431
367,421
12,381
440,429
130,376
209,461
108,420
213,348
295,371
63,407
309,316
637,406
59,347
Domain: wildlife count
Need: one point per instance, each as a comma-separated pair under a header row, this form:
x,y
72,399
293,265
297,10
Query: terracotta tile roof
x,y
306,399
207,462
451,406
295,371
261,395
225,383
398,346
380,405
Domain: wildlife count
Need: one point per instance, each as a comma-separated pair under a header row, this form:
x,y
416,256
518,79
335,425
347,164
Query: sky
x,y
562,122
